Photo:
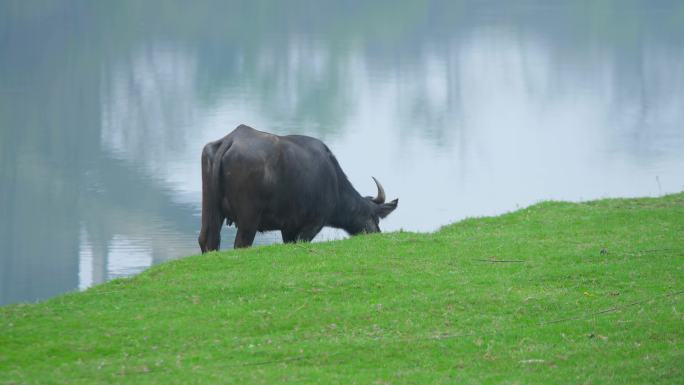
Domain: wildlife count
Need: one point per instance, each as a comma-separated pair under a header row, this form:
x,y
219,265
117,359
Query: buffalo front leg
x,y
307,234
244,237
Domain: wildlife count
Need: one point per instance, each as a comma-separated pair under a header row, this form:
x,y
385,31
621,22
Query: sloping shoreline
x,y
556,292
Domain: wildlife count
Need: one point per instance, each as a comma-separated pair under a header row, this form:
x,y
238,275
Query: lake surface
x,y
460,108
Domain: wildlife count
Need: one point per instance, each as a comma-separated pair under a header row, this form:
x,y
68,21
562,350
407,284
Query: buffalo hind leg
x,y
244,237
210,233
288,236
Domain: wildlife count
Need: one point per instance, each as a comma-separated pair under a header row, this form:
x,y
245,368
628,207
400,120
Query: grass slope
x,y
591,293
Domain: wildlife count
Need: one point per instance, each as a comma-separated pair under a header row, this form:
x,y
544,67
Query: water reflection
x,y
460,108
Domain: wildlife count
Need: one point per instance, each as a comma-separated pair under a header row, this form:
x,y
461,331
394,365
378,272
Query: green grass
x,y
591,293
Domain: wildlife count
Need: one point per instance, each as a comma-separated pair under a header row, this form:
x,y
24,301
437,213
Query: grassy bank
x,y
555,293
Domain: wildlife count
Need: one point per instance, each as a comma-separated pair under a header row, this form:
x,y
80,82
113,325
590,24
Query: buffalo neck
x,y
351,211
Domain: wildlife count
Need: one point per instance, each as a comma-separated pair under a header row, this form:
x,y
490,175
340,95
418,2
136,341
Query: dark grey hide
x,y
293,183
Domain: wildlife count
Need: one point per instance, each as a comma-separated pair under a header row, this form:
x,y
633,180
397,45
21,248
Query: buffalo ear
x,y
385,209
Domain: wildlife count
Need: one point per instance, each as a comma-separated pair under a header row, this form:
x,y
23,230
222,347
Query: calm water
x,y
460,108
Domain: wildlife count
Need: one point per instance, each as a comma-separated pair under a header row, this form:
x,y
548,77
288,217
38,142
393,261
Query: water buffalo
x,y
293,183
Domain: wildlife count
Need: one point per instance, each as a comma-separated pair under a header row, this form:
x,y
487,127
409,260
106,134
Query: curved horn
x,y
381,193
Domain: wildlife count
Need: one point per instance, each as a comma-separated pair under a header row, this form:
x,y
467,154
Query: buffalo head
x,y
377,209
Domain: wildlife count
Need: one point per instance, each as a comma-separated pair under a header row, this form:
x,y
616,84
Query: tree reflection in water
x,y
104,108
